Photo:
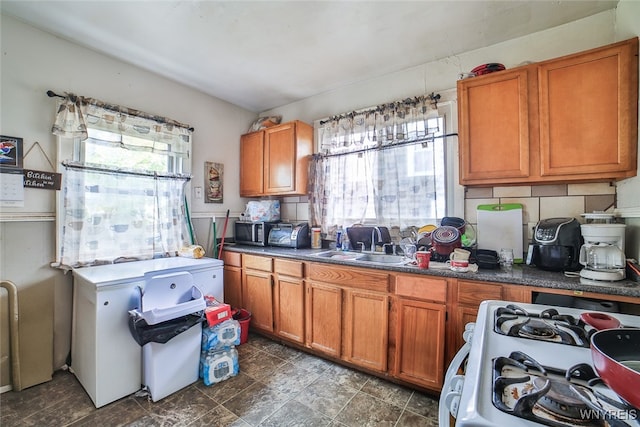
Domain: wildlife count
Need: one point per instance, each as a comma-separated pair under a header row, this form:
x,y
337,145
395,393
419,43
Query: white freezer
x,y
104,356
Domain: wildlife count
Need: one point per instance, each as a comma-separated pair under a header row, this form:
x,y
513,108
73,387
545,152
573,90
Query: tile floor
x,y
277,386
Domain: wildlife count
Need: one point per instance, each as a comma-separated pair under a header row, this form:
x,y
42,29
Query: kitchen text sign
x,y
43,180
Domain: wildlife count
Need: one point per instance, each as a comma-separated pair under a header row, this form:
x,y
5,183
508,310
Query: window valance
x,y
74,113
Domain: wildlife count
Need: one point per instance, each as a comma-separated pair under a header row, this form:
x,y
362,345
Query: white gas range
x,y
530,365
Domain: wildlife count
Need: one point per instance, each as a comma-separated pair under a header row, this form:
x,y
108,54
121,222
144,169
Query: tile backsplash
x,y
544,201
538,202
295,209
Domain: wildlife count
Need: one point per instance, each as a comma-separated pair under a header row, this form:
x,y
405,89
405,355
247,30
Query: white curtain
x,y
112,212
380,166
111,216
76,113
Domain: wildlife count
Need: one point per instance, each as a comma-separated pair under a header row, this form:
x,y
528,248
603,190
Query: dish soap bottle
x,y
339,239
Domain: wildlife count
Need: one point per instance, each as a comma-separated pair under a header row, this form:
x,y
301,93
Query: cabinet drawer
x,y
352,277
421,288
473,293
288,268
232,258
257,262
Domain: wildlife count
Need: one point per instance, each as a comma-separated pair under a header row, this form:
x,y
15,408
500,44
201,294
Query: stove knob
x,y
452,401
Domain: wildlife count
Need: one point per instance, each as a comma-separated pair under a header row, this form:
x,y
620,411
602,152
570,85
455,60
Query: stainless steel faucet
x,y
373,239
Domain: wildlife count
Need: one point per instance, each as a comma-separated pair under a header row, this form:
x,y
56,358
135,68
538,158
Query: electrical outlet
x,y
197,192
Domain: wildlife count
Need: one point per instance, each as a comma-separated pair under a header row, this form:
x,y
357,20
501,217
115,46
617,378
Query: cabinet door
x,y
366,328
468,297
324,318
290,308
493,113
233,286
279,159
258,298
588,112
232,279
251,164
420,333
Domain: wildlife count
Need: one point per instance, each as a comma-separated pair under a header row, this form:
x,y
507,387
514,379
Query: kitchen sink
x,y
362,257
382,258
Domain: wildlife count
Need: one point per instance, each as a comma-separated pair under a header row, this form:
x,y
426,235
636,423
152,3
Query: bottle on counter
x,y
316,237
339,239
344,243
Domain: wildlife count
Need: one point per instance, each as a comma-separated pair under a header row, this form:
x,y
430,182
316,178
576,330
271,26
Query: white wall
x,y
34,62
441,75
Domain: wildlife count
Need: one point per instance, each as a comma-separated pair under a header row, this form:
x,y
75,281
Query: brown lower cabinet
x,y
289,296
232,278
419,330
324,318
347,314
405,327
366,321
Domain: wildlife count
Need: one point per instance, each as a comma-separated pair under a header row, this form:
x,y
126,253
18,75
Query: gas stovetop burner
x,y
534,328
548,325
555,397
560,400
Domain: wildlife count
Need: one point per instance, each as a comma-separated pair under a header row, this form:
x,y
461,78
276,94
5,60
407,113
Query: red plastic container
x,y
244,318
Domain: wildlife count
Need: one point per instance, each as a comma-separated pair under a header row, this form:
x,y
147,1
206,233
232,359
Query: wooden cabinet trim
x,y
255,262
473,293
288,267
348,276
232,258
416,286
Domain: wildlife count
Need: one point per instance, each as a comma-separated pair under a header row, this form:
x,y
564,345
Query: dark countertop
x,y
520,275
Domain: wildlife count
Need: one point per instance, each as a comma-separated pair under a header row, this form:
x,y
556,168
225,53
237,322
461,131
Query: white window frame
x,y
453,190
71,149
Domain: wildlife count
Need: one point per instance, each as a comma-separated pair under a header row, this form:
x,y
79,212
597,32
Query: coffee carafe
x,y
602,254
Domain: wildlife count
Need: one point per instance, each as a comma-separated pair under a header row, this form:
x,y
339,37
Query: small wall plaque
x,y
42,180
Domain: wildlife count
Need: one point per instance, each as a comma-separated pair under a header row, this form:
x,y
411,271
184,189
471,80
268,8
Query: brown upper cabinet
x,y
574,118
275,161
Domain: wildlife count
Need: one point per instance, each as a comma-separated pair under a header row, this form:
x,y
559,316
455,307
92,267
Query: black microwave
x,y
252,233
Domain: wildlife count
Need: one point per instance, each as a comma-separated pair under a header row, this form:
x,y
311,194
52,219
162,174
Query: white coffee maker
x,y
602,254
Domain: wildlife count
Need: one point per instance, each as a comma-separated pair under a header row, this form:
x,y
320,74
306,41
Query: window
x,y
123,192
127,152
398,175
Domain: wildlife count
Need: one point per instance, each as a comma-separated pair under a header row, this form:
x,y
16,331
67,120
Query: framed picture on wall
x,y
213,182
10,152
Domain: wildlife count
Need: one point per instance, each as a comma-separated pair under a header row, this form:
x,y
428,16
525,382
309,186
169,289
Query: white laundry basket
x,y
173,365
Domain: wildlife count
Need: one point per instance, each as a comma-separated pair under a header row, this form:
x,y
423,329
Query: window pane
x,y
122,151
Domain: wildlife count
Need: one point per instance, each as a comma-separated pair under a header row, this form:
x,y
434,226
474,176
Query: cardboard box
x,y
216,312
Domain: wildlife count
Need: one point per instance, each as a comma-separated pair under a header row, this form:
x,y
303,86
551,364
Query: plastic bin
x,y
171,316
244,318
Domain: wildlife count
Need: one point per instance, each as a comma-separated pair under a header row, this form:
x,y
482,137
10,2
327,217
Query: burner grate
x,y
548,325
554,397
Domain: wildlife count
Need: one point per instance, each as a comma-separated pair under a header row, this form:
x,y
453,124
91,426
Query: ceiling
x,y
264,54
